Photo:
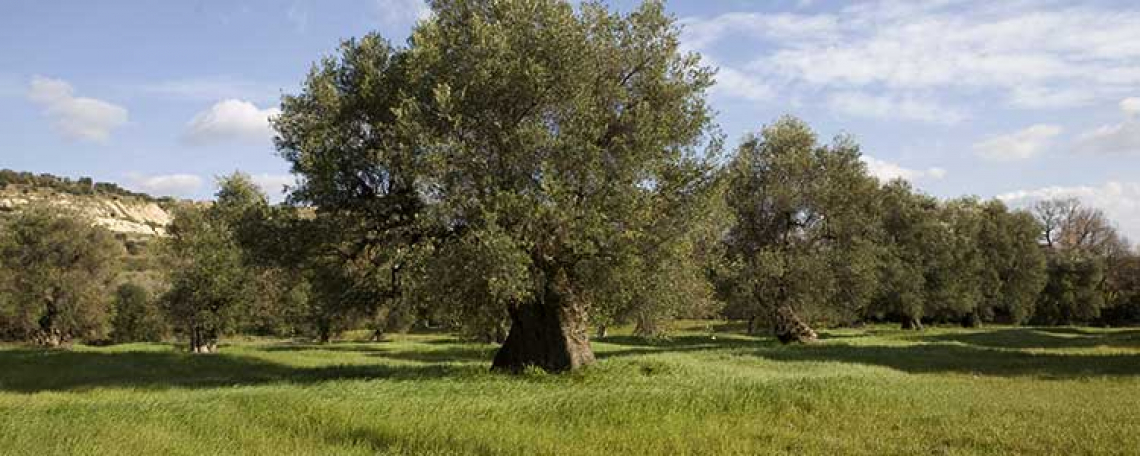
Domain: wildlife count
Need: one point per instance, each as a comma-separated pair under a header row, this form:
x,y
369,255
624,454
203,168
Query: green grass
x,y
998,390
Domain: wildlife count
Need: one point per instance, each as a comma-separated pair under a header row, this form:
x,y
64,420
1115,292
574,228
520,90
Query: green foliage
x,y
137,317
56,271
525,143
81,186
805,223
210,282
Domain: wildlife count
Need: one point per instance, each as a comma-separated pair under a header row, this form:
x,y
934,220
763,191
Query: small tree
x,y
209,277
137,317
58,270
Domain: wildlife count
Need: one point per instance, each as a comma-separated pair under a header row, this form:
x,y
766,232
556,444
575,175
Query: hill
x,y
106,204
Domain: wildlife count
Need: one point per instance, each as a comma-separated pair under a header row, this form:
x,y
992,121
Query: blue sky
x,y
1019,100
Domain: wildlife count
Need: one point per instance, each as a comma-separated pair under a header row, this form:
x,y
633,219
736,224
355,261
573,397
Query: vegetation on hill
x,y
80,186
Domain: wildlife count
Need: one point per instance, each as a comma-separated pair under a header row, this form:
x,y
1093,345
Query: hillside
x,y
106,204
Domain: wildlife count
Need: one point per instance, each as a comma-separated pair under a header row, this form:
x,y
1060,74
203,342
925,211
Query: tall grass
x,y
870,391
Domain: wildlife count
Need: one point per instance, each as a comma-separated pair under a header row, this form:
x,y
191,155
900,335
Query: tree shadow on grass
x,y
963,359
30,371
437,353
1042,338
990,353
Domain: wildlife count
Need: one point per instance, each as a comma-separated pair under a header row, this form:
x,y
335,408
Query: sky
x,y
1018,100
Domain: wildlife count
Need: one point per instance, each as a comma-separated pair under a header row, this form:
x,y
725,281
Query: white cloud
x,y
732,83
74,117
273,184
887,171
1119,139
1130,106
1029,54
1116,139
860,104
231,120
1119,200
182,185
1019,145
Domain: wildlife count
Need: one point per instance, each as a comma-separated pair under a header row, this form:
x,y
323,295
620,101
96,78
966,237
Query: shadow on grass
x,y
964,359
991,353
1042,338
29,371
453,352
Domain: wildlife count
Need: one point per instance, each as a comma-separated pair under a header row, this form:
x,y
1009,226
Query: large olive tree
x,y
535,141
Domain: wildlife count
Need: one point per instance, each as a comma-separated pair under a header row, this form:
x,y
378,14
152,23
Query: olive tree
x,y
547,136
57,274
805,224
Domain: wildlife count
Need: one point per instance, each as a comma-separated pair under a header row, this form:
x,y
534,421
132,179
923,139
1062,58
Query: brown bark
x,y
789,327
203,341
971,320
549,333
912,323
603,331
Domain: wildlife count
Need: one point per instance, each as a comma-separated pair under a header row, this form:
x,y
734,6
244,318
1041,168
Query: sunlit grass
x,y
867,391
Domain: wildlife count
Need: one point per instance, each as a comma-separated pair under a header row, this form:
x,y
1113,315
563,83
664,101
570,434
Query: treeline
x,y
80,186
522,171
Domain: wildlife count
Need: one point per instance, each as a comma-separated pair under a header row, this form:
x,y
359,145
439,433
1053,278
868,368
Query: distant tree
x,y
548,137
910,228
1014,267
57,270
210,280
805,224
137,318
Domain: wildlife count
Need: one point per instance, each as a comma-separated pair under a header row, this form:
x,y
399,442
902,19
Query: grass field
x,y
998,390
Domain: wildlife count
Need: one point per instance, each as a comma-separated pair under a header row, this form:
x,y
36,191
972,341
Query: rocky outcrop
x,y
116,213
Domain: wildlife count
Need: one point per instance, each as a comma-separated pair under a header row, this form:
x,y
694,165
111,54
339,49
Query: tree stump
x,y
789,327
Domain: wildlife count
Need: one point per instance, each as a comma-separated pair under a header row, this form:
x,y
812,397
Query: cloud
x,y
732,83
1130,106
1116,139
1119,139
273,184
1035,55
860,104
230,120
182,185
77,118
1119,200
886,171
1019,145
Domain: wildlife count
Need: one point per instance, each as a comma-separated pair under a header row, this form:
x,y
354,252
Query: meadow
x,y
705,390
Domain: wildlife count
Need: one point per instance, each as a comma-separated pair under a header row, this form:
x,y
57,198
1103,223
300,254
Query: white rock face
x,y
116,214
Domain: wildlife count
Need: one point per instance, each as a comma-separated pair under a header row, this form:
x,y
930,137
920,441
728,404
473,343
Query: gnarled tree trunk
x,y
549,333
203,341
972,320
789,327
912,323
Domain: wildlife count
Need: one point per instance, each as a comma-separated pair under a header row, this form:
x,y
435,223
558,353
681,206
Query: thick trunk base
x,y
789,327
971,320
551,337
603,332
910,323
